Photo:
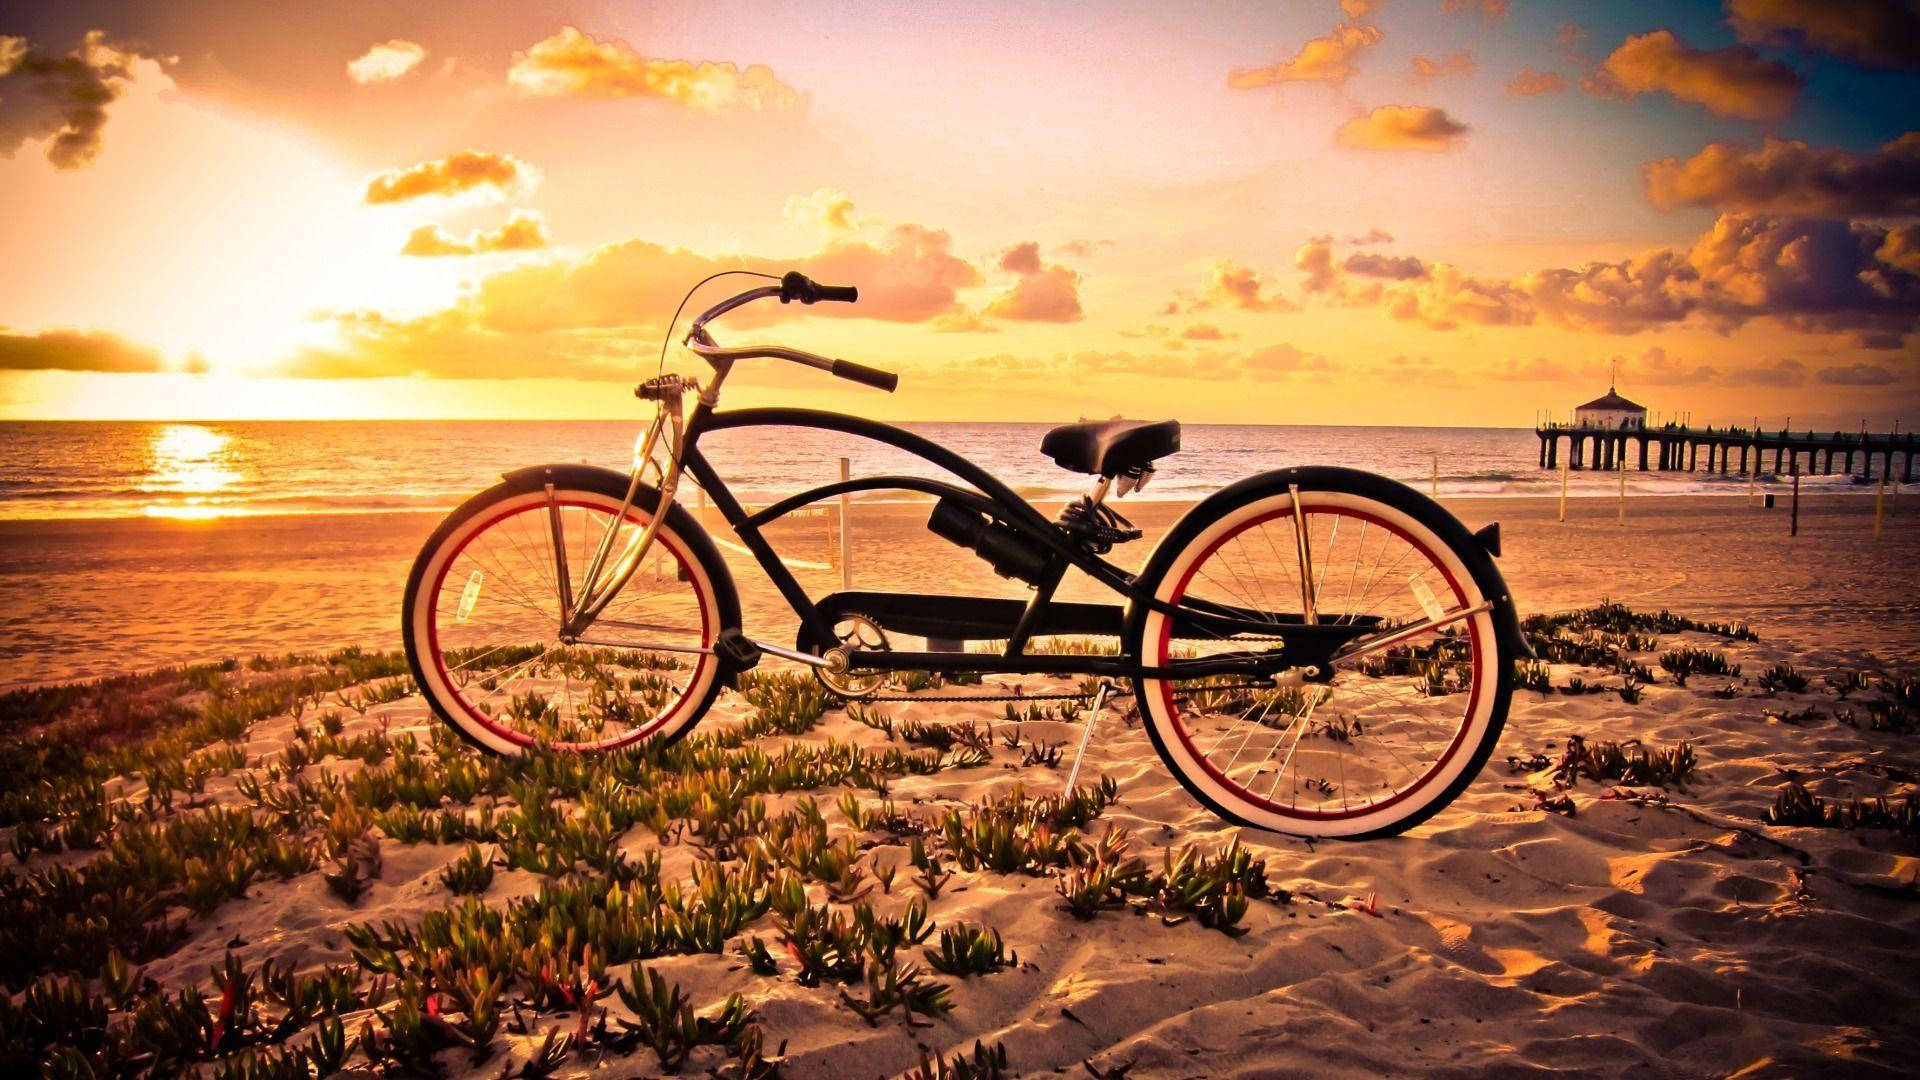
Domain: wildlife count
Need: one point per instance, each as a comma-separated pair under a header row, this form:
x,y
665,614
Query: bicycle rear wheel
x,y
1391,737
482,618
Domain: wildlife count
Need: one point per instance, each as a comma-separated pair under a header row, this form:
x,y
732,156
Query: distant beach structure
x,y
1611,412
1602,431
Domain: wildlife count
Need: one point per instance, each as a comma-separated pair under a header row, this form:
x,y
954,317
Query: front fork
x,y
597,591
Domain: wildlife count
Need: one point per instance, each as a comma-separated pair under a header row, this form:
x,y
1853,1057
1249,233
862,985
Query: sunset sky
x,y
1373,211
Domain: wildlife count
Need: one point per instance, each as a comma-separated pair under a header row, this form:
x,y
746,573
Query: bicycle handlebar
x,y
861,373
798,286
793,286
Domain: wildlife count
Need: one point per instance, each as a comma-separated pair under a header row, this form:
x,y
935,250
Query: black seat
x,y
1111,447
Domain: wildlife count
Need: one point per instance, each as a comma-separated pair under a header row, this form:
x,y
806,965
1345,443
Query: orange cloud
x,y
962,323
1083,248
1401,127
1859,375
1323,59
1021,258
1783,372
525,230
1654,367
74,350
1315,259
1735,81
828,211
1284,361
1204,332
1356,9
586,318
1875,33
1454,63
1809,274
1397,267
1271,363
1231,285
1531,83
63,98
1538,369
912,277
469,171
1790,177
1043,293
386,62
573,64
1494,10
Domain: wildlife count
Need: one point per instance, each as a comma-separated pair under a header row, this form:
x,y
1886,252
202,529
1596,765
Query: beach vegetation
x,y
966,951
1795,805
1780,677
1848,682
470,874
666,1022
1795,717
1687,661
982,1063
1627,762
1617,618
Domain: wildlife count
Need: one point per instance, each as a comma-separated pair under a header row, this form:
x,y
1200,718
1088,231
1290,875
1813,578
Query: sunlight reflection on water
x,y
193,463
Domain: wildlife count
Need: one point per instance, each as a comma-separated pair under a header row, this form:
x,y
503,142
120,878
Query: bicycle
x,y
1314,650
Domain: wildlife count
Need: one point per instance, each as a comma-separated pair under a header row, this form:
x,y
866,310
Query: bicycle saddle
x,y
1111,447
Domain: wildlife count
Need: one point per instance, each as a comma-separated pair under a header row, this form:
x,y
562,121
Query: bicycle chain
x,y
1071,695
1060,696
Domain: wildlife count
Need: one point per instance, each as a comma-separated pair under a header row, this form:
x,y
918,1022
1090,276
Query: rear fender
x,y
1486,574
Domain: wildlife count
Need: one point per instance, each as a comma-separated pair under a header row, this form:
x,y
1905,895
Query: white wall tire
x,y
424,616
1424,790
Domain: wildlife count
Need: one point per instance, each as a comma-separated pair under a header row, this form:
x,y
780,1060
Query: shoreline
x,y
89,598
1828,486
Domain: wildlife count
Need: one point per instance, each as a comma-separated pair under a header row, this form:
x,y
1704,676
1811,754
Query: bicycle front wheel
x,y
482,618
1393,735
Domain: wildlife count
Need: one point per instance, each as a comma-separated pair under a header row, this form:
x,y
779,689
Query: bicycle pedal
x,y
737,650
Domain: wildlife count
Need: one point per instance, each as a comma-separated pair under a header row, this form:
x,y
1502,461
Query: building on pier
x,y
1611,412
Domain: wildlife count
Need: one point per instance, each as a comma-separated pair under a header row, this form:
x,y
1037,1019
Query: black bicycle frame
x,y
1304,645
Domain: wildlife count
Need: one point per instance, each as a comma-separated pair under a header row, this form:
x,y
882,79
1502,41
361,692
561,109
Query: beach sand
x,y
91,598
1648,932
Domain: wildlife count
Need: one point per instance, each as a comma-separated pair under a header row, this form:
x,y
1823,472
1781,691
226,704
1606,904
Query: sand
x,y
95,598
1650,932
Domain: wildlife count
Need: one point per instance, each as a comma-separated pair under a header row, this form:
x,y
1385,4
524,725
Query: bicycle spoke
x,y
519,567
1382,721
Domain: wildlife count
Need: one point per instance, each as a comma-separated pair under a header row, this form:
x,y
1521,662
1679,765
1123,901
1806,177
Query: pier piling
x,y
1678,448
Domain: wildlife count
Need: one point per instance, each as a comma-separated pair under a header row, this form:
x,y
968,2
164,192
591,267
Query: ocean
x,y
85,470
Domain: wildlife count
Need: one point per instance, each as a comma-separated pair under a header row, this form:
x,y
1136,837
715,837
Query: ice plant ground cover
x,y
283,867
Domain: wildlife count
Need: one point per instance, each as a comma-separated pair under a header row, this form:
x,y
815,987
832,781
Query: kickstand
x,y
1086,733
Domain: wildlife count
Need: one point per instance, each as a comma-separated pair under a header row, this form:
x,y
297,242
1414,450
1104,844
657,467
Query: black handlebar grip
x,y
861,373
798,286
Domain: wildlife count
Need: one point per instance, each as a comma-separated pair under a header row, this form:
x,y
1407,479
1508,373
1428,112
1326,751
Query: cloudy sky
x,y
1370,211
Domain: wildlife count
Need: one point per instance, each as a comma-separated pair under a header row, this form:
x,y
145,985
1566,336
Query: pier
x,y
1679,448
